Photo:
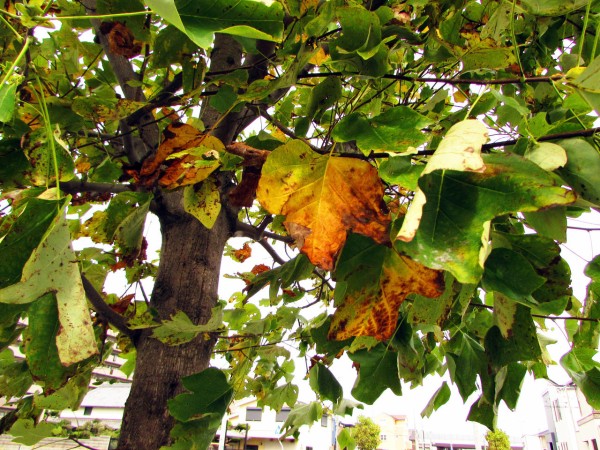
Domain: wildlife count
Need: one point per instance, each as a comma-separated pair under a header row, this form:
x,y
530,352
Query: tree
x,y
422,157
497,440
366,434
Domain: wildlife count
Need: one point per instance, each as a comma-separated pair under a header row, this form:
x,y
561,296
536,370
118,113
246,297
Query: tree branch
x,y
124,73
541,316
114,318
549,137
453,81
245,230
73,187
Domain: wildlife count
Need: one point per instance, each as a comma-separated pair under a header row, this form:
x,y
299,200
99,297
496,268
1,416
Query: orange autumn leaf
x,y
243,253
323,198
375,281
120,39
260,268
185,157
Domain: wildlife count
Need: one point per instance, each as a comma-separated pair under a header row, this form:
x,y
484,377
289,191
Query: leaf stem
x,y
10,27
17,60
95,16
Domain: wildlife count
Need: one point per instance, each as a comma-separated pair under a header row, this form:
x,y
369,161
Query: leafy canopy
x,y
423,158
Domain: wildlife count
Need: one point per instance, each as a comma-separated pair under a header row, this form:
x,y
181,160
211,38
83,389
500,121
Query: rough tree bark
x,y
187,280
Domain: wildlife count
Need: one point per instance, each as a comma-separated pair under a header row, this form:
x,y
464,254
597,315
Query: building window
x,y
253,414
324,420
282,415
556,408
87,411
383,437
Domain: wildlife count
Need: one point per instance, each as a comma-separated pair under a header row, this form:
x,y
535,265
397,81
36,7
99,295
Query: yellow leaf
x,y
319,57
323,198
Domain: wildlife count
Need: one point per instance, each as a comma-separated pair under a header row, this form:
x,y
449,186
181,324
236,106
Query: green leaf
x,y
45,159
15,377
324,382
167,10
205,204
587,84
8,97
398,129
483,412
52,267
582,170
460,205
323,96
68,396
551,223
39,344
345,440
400,171
24,236
464,357
180,329
26,432
246,18
516,340
585,372
439,398
361,31
281,395
510,273
171,46
552,7
210,395
15,166
509,380
302,415
378,371
296,269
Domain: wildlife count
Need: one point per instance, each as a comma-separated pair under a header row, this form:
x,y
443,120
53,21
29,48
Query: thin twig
x,y
257,235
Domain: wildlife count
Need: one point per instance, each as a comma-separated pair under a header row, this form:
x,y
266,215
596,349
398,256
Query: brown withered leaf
x,y
243,253
375,281
260,268
186,156
323,198
121,40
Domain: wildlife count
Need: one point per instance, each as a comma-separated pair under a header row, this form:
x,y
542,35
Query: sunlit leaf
x,y
7,101
582,170
322,198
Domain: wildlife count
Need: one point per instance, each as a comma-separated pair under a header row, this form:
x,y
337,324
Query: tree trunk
x,y
187,280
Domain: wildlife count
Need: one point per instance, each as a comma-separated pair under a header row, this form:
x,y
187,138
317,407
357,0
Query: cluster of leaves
x,y
374,161
497,440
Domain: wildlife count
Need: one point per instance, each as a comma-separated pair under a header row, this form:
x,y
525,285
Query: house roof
x,y
109,396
